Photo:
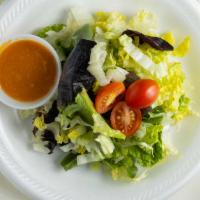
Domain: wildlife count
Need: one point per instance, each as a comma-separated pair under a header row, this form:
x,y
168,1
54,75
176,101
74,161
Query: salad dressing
x,y
27,70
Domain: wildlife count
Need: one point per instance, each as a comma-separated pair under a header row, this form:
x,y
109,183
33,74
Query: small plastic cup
x,y
11,102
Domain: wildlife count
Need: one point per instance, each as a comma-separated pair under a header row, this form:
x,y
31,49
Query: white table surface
x,y
9,192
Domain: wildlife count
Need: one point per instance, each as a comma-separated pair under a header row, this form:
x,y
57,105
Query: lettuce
x,y
88,112
171,87
112,24
169,37
64,37
117,74
78,17
38,122
157,70
75,132
146,158
121,165
43,33
88,158
106,144
24,114
69,161
97,59
101,126
183,48
183,108
86,106
145,22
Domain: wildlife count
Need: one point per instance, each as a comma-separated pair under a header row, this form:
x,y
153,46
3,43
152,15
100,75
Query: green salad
x,y
122,84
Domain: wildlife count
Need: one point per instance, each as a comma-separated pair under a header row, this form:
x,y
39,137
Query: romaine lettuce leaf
x,y
89,113
111,23
121,165
24,114
88,158
183,48
69,161
101,126
78,17
157,70
146,158
106,144
86,106
145,22
43,33
169,37
117,74
183,108
97,59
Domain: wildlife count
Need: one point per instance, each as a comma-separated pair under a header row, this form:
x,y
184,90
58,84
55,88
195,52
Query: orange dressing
x,y
27,70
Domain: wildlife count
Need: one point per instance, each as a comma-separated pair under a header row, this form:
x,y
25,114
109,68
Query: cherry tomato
x,y
142,93
125,119
107,95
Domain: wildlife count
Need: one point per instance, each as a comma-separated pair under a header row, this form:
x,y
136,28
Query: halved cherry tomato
x,y
107,95
142,93
125,119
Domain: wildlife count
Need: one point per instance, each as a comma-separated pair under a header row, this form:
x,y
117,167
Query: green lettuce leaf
x,y
106,144
101,126
145,62
69,161
86,106
89,114
43,33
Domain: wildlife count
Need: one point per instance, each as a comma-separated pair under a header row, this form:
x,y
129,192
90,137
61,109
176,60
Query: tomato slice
x,y
142,93
125,119
107,96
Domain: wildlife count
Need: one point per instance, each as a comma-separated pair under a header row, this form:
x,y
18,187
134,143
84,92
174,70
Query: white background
x,y
8,192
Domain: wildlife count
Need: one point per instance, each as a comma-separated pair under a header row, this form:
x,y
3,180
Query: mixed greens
x,y
100,50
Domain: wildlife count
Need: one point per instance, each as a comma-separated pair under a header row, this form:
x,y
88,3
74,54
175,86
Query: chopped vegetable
x,y
142,93
76,63
155,42
159,70
44,31
100,126
145,22
183,48
69,161
125,119
97,58
117,74
52,113
107,96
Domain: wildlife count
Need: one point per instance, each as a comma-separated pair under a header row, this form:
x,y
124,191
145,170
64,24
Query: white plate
x,y
40,176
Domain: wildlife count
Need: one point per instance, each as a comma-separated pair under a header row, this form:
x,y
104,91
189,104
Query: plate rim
x,y
23,182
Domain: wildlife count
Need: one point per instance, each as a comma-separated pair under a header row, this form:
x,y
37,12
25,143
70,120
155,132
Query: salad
x,y
121,86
